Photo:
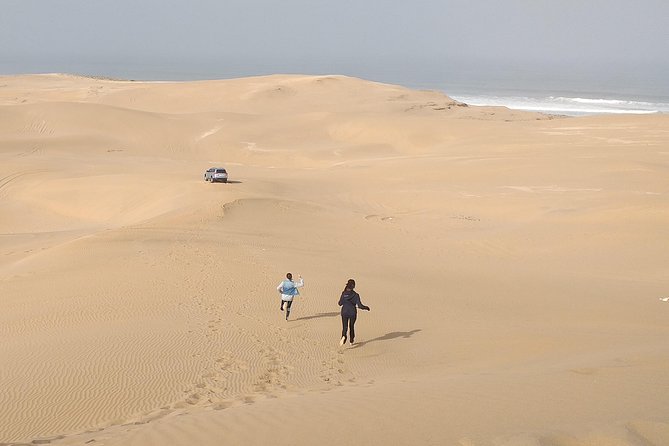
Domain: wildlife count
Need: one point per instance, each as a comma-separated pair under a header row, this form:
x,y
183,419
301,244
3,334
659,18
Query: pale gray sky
x,y
224,38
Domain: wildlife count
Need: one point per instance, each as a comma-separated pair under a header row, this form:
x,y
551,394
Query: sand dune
x,y
514,263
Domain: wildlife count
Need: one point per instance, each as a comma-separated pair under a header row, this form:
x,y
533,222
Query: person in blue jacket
x,y
288,290
349,303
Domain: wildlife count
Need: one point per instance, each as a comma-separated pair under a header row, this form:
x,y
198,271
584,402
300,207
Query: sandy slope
x,y
514,265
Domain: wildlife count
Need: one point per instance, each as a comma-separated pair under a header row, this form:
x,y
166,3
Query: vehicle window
x,y
220,170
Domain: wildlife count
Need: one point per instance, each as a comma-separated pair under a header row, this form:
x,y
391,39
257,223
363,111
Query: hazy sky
x,y
201,38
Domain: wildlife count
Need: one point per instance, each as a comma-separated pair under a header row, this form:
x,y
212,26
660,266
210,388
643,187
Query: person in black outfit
x,y
349,303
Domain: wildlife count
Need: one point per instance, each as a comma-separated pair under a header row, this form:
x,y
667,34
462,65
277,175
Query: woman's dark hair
x,y
350,285
289,276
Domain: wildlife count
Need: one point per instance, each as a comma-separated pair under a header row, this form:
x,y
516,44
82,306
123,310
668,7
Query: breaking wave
x,y
574,106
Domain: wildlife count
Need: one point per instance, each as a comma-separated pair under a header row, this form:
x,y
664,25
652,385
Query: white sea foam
x,y
567,105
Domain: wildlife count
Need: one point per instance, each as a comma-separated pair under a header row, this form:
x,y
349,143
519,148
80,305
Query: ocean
x,y
557,91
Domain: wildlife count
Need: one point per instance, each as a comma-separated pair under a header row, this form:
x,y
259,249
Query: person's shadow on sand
x,y
318,316
389,336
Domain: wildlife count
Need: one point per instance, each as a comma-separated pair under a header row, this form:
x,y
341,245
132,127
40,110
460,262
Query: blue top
x,y
288,288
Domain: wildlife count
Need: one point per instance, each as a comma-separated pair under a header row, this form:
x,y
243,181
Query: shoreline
x,y
566,102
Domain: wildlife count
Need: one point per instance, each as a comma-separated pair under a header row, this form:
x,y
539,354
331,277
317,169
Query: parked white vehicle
x,y
215,174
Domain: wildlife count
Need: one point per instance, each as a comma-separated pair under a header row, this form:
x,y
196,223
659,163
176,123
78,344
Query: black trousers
x,y
348,324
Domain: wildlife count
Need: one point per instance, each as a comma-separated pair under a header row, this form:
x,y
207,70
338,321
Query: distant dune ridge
x,y
514,263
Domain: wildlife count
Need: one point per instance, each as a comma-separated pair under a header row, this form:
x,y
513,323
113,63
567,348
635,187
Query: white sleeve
x,y
300,283
279,288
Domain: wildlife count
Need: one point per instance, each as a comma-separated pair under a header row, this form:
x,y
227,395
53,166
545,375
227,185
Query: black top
x,y
350,302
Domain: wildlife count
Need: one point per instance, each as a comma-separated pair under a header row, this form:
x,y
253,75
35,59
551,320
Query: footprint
x,y
47,440
222,405
193,399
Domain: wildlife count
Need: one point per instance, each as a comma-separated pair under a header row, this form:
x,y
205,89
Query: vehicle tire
x,y
225,180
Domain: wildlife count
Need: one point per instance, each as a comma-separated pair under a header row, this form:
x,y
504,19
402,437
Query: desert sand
x,y
514,264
